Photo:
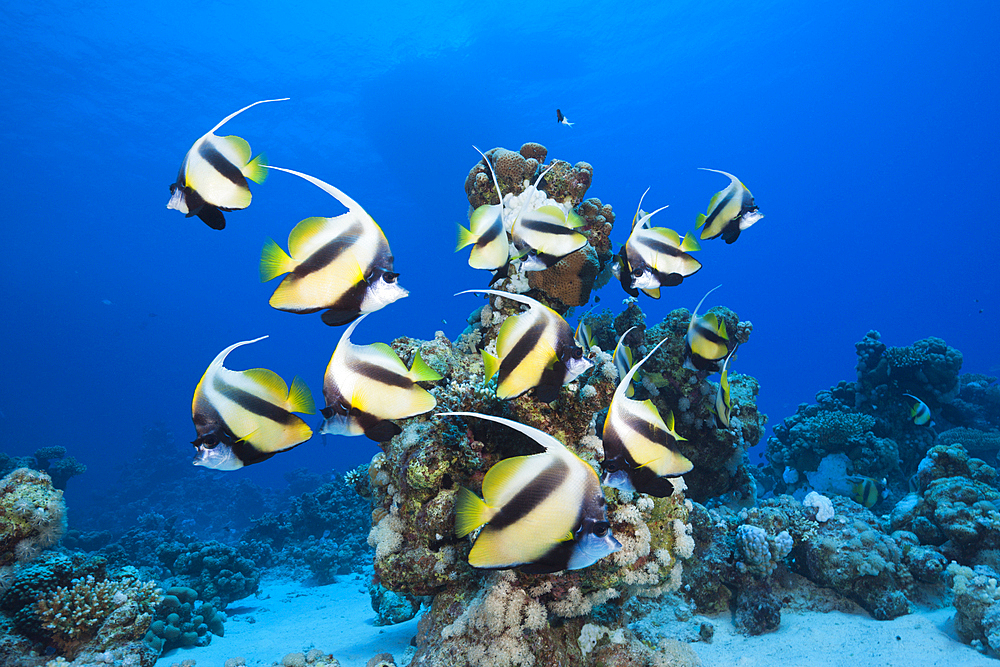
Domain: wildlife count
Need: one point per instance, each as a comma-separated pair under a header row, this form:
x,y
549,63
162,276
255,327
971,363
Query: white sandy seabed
x,y
287,617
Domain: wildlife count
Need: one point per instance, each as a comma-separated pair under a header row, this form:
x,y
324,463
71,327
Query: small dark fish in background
x,y
562,119
213,176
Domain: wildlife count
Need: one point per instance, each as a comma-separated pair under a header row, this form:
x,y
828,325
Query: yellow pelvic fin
x,y
421,372
491,365
470,512
300,398
274,261
256,170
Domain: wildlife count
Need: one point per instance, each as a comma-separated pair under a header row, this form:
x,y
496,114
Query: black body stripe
x,y
708,334
521,348
381,375
721,204
254,404
492,233
550,228
329,252
219,162
656,245
246,453
531,496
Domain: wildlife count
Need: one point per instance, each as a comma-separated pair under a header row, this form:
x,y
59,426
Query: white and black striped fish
x,y
546,234
367,385
654,257
213,176
640,449
486,231
707,339
730,211
244,417
919,412
723,399
342,265
535,350
542,513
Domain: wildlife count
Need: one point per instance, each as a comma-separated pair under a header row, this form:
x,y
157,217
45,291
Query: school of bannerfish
x,y
543,512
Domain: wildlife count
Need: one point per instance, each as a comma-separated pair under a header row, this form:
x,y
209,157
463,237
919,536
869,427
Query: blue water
x,y
867,133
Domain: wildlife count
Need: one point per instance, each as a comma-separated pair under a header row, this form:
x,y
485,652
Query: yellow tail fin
x,y
470,512
421,372
274,261
491,365
465,237
256,171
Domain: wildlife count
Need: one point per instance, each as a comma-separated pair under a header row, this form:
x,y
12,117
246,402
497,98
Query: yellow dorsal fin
x,y
302,233
240,146
499,477
270,383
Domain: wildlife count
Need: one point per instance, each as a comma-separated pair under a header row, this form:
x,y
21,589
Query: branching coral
x,y
73,614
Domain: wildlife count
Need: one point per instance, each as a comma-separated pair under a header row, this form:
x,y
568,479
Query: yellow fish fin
x,y
274,261
269,382
490,366
421,372
300,398
470,512
302,233
256,169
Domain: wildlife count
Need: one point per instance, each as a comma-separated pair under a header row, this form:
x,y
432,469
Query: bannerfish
x,y
584,336
542,513
730,211
547,234
624,360
706,338
367,385
342,265
486,230
213,176
562,119
535,350
655,257
723,401
919,412
863,490
640,449
245,417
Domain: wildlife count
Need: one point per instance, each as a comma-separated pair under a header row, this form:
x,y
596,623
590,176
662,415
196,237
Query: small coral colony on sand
x,y
543,512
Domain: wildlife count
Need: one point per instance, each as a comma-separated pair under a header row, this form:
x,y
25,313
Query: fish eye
x,y
601,528
390,277
577,353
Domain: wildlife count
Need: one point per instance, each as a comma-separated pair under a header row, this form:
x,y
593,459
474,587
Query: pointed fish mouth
x,y
177,201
